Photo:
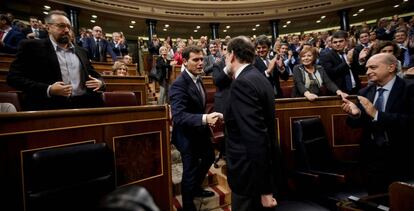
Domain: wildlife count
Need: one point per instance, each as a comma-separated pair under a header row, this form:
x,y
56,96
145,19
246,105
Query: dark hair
x,y
339,34
242,48
263,40
385,43
191,49
6,18
362,31
48,18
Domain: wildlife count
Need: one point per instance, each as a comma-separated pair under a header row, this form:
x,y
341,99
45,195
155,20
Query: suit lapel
x,y
54,62
194,93
83,62
394,93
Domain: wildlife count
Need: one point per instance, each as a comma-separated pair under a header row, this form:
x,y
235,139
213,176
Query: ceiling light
x,y
224,30
355,15
361,10
257,25
46,7
323,16
93,21
166,25
284,26
288,22
45,12
227,27
197,27
164,29
131,26
195,30
405,0
397,5
254,29
133,22
318,21
254,35
94,16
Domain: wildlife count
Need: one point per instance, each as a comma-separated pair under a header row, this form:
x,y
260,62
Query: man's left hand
x,y
93,83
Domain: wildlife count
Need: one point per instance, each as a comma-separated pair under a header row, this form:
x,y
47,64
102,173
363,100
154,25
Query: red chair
x,y
11,97
116,99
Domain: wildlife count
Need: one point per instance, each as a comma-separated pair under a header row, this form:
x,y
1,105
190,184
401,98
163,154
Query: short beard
x,y
63,39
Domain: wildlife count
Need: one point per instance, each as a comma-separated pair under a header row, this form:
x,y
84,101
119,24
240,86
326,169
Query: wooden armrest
x,y
330,175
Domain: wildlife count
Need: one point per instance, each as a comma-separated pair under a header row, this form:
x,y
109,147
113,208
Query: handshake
x,y
212,118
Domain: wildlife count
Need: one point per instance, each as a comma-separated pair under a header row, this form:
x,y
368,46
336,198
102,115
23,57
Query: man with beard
x,y
53,73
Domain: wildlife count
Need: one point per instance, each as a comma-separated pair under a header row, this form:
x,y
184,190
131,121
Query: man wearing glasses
x,y
54,73
98,47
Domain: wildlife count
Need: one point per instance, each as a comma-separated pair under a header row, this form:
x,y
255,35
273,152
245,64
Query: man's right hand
x,y
268,200
213,117
60,89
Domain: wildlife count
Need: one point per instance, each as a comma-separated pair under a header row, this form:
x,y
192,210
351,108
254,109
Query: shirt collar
x,y
238,71
193,77
7,30
388,85
56,47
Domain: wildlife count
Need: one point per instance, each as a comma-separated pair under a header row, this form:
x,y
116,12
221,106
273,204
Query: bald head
x,y
381,68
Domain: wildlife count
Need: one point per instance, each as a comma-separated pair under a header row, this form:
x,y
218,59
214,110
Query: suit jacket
x,y
90,45
338,70
164,68
299,81
11,41
396,122
222,82
121,50
42,33
251,149
36,67
274,78
187,110
209,61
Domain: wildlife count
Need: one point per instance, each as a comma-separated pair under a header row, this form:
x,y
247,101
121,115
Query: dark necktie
x,y
379,134
379,103
348,80
97,50
200,89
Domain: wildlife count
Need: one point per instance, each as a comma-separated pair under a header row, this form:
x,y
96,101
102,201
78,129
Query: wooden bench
x,y
138,137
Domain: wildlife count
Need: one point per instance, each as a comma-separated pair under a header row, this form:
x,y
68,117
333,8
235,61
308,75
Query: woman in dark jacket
x,y
164,67
310,79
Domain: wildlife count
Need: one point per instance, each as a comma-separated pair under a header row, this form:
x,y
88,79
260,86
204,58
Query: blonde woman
x,y
120,69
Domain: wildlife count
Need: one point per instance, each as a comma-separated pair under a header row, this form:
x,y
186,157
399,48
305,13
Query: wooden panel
x,y
345,146
133,133
102,67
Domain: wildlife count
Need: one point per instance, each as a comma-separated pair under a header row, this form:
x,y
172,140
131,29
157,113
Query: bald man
x,y
98,47
385,111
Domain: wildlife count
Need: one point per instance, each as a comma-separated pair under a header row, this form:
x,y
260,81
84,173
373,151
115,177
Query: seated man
x,y
54,73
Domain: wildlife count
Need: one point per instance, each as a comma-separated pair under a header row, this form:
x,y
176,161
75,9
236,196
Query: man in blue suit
x,y
385,112
9,38
98,47
191,134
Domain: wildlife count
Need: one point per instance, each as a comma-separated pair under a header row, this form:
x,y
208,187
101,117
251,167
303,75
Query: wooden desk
x,y
103,67
137,84
343,139
138,137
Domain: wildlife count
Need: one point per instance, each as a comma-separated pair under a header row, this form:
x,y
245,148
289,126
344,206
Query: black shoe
x,y
204,193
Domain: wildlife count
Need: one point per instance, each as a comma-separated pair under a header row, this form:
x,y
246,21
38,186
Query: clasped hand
x,y
212,118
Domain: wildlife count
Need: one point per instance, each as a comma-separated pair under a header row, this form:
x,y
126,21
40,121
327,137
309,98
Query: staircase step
x,y
210,180
220,201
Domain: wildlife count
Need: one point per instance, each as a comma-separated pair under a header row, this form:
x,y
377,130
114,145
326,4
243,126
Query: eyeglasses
x,y
61,25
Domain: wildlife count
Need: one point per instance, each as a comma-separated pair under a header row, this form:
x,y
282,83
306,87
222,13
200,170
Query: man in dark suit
x,y
337,63
222,80
191,134
272,68
53,73
34,31
98,47
252,151
385,112
119,45
9,37
213,58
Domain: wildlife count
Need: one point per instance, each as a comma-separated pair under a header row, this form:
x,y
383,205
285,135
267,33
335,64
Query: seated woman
x,y
120,68
309,79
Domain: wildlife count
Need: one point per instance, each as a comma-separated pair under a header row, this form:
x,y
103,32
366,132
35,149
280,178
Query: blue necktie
x,y
379,103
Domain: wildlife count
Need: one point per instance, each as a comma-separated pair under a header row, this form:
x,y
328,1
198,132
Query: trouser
x,y
195,167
